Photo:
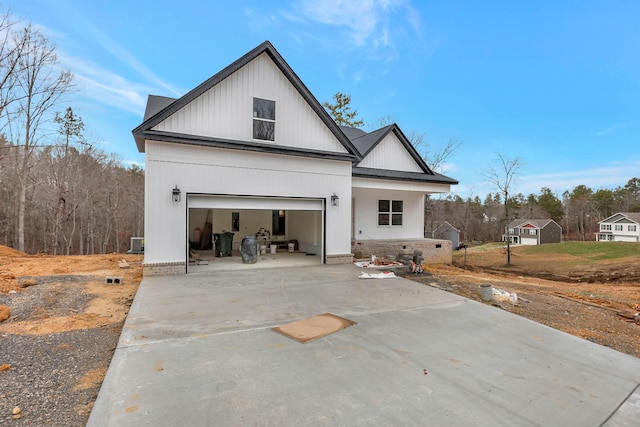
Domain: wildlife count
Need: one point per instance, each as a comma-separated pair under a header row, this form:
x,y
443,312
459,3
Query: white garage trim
x,y
528,240
253,202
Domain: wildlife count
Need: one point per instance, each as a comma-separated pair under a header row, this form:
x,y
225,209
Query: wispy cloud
x,y
375,29
360,18
131,62
105,85
608,130
609,176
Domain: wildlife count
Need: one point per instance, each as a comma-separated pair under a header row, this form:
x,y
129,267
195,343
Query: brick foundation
x,y
434,251
163,269
340,259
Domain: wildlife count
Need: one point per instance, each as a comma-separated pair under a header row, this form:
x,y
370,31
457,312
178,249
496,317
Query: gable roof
x,y
536,223
352,133
155,104
366,142
633,216
442,227
159,108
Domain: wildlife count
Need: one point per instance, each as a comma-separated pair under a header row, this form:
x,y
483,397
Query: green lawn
x,y
595,251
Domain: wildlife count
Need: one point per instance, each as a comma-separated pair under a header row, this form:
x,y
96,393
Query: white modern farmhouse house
x,y
251,151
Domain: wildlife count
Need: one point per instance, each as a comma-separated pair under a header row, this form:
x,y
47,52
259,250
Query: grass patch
x,y
594,251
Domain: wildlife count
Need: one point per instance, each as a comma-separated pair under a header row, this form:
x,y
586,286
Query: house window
x,y
390,212
264,119
532,231
511,230
605,227
278,223
618,227
632,228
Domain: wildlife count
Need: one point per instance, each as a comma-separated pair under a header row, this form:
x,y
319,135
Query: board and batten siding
x,y
226,110
366,215
206,170
392,155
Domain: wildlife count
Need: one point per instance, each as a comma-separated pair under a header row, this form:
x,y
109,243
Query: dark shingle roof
x,y
401,175
352,133
365,142
633,216
539,223
155,104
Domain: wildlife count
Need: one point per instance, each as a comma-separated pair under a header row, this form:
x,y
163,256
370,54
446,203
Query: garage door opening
x,y
289,232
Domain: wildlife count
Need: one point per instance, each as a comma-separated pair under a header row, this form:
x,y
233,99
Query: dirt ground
x,y
108,303
599,302
61,326
52,295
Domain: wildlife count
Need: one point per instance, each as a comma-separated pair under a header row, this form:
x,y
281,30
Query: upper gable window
x,y
264,119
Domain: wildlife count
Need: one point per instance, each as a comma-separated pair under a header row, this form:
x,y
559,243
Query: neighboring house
x,y
621,227
445,231
533,232
252,149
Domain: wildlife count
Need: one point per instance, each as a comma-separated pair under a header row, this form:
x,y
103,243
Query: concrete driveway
x,y
199,350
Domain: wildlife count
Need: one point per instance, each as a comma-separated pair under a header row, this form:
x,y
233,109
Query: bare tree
x,y
502,173
38,86
435,158
12,48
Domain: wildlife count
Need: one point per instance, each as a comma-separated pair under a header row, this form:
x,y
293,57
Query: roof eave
x,y
243,145
382,174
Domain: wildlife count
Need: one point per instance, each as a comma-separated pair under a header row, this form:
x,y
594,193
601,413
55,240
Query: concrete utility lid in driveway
x,y
199,350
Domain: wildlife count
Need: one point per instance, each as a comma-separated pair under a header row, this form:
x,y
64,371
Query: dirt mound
x,y
10,252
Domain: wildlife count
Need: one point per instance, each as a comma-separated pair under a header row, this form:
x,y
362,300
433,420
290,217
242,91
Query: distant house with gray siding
x,y
444,231
533,232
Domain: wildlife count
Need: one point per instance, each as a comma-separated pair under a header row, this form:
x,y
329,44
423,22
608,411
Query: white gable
x,y
392,155
226,110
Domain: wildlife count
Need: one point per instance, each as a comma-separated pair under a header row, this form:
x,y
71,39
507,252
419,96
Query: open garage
x,y
288,231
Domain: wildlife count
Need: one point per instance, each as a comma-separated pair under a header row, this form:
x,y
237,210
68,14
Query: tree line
x,y
577,211
59,193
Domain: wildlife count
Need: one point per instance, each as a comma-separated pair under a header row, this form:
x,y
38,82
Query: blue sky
x,y
556,83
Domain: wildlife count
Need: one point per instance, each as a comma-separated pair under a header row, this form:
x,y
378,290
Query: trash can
x,y
223,242
249,250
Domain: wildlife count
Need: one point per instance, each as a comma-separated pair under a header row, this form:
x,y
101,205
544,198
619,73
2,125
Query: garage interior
x,y
285,237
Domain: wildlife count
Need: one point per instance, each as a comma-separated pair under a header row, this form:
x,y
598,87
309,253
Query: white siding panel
x,y
226,110
201,170
392,155
366,218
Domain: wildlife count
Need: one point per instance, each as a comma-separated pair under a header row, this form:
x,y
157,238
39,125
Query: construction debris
x,y
383,275
123,264
113,280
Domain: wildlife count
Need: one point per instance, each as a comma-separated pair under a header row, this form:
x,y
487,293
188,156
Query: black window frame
x,y
264,119
390,213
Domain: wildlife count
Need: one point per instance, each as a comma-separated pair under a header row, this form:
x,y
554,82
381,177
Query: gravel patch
x,y
48,298
48,378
